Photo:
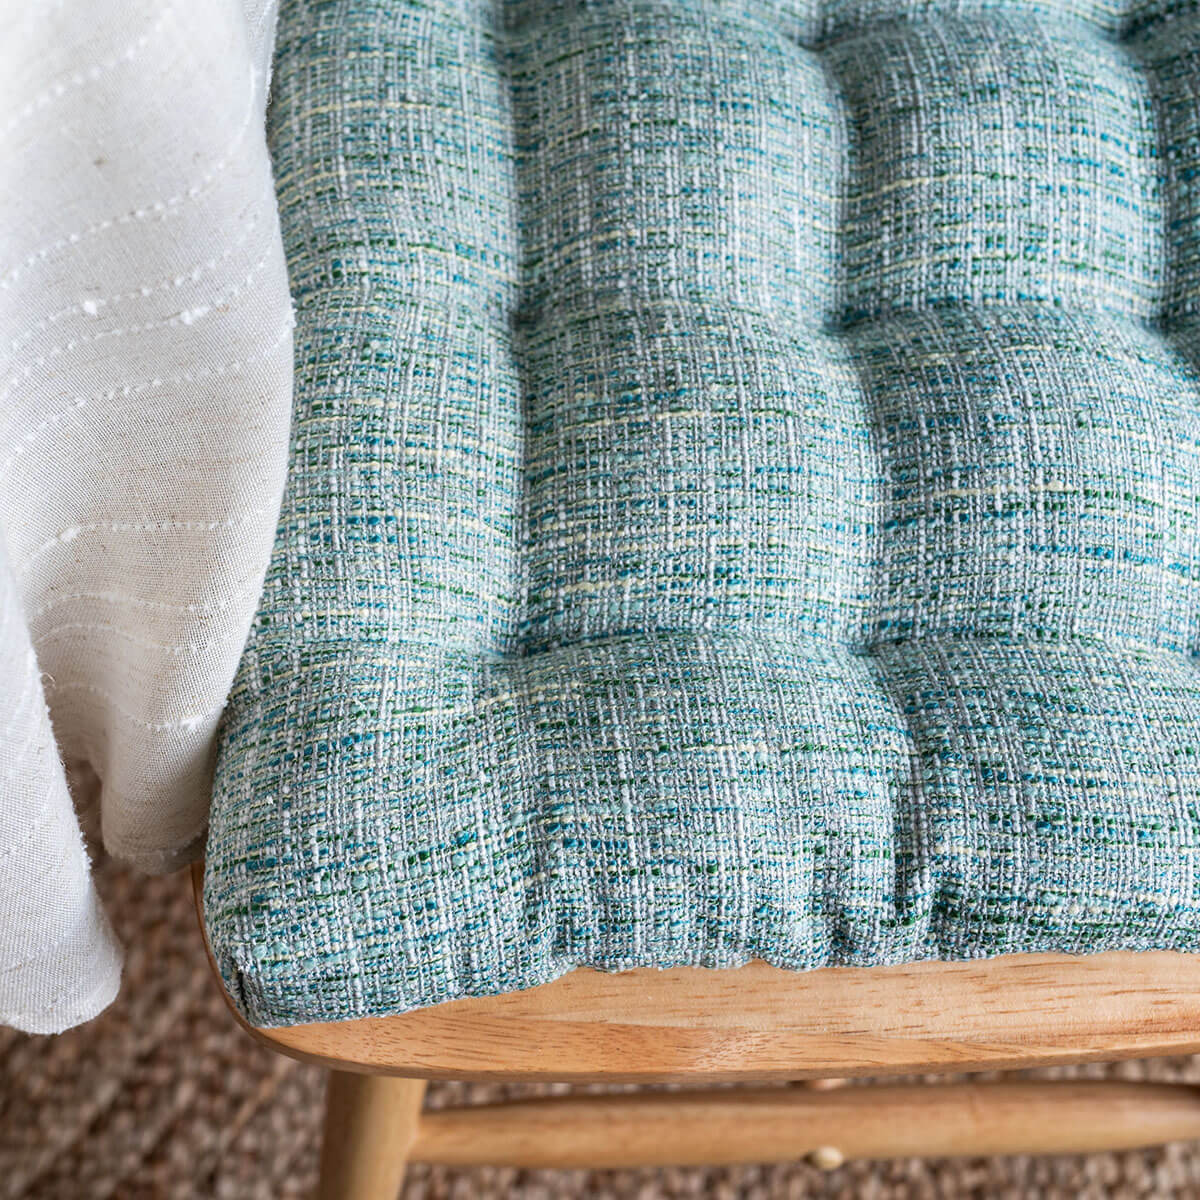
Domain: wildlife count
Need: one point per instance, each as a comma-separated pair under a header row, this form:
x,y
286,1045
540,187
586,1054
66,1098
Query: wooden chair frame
x,y
759,1023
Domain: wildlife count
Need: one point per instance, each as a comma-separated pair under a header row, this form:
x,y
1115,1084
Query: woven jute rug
x,y
164,1097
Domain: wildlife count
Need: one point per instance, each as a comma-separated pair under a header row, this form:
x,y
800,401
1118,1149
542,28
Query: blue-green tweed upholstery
x,y
744,498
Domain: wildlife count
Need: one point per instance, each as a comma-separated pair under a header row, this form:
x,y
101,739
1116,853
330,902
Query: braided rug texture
x,y
164,1098
744,495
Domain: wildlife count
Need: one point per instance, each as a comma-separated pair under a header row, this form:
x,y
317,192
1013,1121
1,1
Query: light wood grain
x,y
780,1125
370,1126
761,1023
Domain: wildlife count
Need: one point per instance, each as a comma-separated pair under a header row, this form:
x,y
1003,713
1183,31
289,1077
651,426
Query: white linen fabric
x,y
145,393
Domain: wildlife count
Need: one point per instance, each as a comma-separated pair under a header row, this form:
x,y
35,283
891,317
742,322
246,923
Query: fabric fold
x,y
145,395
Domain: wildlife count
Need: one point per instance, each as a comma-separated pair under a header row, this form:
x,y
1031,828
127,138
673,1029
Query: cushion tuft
x,y
745,496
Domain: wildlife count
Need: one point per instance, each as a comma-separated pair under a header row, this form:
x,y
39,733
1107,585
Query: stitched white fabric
x,y
145,389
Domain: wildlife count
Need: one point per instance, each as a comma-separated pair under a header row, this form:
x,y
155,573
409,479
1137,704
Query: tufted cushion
x,y
744,499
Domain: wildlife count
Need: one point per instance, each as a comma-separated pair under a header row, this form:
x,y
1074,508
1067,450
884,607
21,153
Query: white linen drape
x,y
145,392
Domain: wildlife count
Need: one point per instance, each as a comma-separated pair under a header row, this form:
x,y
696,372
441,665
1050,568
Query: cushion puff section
x,y
744,496
698,799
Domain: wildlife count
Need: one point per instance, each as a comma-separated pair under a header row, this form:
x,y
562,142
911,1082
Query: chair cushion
x,y
744,496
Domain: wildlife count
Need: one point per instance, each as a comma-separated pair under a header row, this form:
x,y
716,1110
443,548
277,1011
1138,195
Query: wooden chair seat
x,y
759,1023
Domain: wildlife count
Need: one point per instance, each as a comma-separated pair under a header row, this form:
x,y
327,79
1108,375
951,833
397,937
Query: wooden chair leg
x,y
370,1125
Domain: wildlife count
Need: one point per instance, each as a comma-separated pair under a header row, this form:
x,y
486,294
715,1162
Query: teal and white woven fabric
x,y
744,496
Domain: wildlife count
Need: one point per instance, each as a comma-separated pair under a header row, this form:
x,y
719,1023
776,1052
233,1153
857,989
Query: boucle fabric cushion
x,y
145,395
744,496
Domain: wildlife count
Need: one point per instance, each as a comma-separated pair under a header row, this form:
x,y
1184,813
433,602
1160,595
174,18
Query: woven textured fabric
x,y
744,497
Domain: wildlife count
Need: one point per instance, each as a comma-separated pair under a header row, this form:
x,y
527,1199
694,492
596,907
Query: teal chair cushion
x,y
744,496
